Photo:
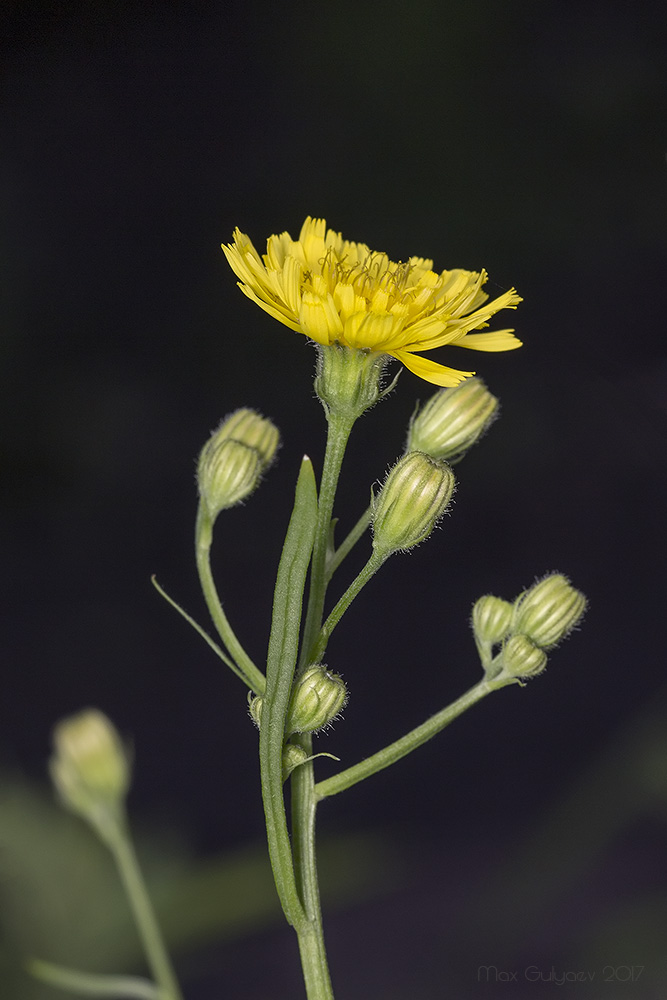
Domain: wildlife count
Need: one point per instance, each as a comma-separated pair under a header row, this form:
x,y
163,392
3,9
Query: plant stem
x,y
360,581
339,427
281,663
310,934
91,984
349,542
243,665
406,744
120,844
304,801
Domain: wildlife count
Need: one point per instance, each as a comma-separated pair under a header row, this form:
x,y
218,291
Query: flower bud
x,y
452,421
90,766
255,708
293,757
317,699
522,658
348,380
491,619
548,611
250,428
234,458
414,497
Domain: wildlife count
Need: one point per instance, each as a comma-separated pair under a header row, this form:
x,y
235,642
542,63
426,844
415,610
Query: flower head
x,y
336,291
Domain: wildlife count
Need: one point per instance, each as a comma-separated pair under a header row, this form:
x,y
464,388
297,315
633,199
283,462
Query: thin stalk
x,y
311,933
360,581
244,666
339,427
349,542
406,744
92,984
121,847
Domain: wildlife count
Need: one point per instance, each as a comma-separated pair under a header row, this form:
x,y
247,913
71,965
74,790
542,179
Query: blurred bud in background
x,y
90,768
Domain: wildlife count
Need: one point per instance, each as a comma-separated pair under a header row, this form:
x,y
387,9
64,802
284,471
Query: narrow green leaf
x,y
282,657
197,627
91,984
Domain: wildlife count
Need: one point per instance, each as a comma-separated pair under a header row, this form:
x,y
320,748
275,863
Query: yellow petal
x,y
429,370
374,332
319,319
496,340
275,309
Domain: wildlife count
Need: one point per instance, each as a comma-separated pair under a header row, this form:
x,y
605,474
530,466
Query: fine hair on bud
x,y
453,420
548,611
318,697
413,498
234,459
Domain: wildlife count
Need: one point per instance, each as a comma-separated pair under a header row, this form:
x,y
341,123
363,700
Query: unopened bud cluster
x,y
234,459
536,622
415,495
452,421
90,767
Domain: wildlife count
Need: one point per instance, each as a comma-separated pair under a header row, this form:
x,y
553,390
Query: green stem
x,y
304,801
92,984
406,744
311,933
197,627
339,427
243,665
120,843
281,663
349,542
369,570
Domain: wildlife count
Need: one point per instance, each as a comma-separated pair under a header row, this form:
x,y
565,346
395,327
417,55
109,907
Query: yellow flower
x,y
335,291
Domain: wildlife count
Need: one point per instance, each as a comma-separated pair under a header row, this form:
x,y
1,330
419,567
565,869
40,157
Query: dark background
x,y
527,138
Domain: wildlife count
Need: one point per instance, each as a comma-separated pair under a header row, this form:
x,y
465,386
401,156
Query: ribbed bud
x,y
414,497
522,658
491,619
293,757
348,379
90,766
250,428
453,420
255,709
234,458
317,698
548,611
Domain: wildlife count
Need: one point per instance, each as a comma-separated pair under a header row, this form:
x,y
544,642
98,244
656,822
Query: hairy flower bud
x,y
414,497
491,619
90,767
348,380
548,611
293,757
250,428
452,421
522,658
234,458
255,708
317,699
